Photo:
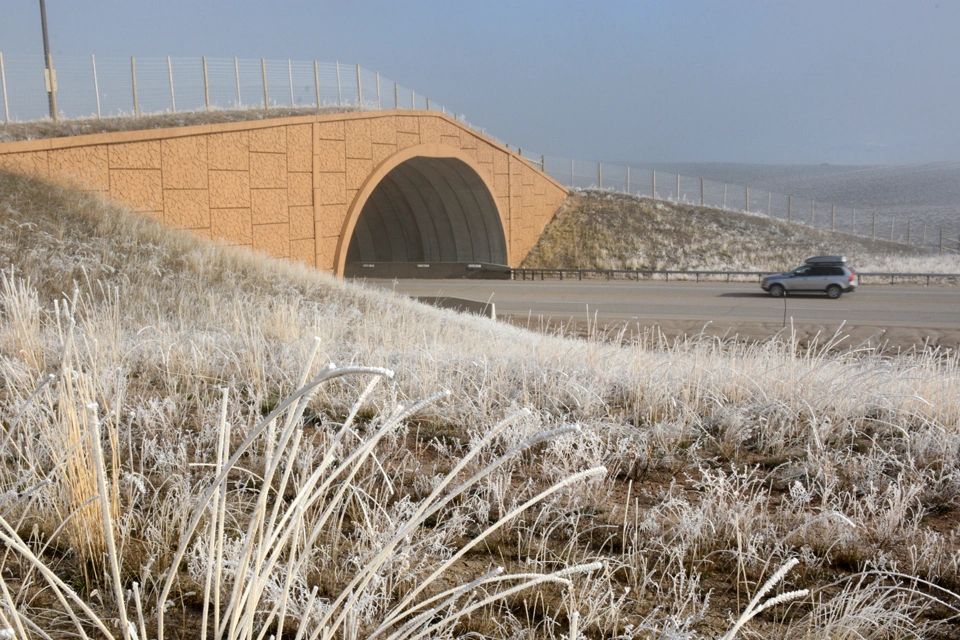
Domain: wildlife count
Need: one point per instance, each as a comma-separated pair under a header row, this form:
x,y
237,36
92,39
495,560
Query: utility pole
x,y
49,75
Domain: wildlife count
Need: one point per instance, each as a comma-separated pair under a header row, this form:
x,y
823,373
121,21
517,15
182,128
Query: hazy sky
x,y
808,81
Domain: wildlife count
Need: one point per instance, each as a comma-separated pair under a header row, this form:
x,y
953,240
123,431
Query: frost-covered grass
x,y
176,452
602,230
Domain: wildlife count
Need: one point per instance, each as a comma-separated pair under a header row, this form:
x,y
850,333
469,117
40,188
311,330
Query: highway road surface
x,y
911,313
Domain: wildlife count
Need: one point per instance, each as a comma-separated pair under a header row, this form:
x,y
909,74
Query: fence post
x,y
677,193
573,173
236,77
923,236
628,179
413,99
3,85
133,85
206,84
746,199
908,231
789,207
873,226
316,81
543,164
724,197
833,217
599,174
359,88
379,99
428,103
701,191
96,83
941,240
173,95
339,87
653,183
396,96
891,228
854,215
293,102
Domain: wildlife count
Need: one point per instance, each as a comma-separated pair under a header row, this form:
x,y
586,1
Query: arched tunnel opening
x,y
428,217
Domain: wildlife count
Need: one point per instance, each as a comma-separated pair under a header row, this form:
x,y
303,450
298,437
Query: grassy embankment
x,y
158,461
601,230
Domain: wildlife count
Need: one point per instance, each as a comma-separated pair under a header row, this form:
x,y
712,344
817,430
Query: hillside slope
x,y
597,229
647,491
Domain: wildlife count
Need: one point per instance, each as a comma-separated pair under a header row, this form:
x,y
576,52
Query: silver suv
x,y
826,274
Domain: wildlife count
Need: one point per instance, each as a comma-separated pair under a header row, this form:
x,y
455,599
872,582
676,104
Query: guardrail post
x,y
599,174
96,83
379,101
316,81
206,84
339,86
724,197
3,85
173,95
769,203
263,79
359,88
236,78
543,164
746,198
428,104
653,183
789,208
413,99
133,85
628,179
396,96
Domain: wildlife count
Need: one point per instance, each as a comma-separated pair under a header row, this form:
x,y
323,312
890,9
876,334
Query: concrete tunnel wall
x,y
297,187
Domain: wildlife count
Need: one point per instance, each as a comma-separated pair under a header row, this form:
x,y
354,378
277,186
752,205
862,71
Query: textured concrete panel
x,y
268,170
85,167
300,147
135,155
303,251
233,226
184,163
358,138
140,189
299,189
33,163
408,124
357,172
329,130
450,141
229,150
405,140
429,130
270,140
186,208
301,222
384,130
501,163
329,219
272,239
326,253
331,188
269,205
229,189
331,155
382,151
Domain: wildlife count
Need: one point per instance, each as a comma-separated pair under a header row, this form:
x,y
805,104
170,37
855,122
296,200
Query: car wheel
x,y
777,290
834,291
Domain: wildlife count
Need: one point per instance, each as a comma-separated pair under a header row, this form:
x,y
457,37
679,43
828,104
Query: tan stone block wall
x,y
284,186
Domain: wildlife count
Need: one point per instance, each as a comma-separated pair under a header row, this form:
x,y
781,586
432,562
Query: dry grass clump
x,y
40,129
602,230
243,488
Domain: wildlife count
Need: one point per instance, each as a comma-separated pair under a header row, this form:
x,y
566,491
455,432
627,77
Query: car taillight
x,y
851,277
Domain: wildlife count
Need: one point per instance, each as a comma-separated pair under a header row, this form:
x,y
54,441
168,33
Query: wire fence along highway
x,y
98,87
729,276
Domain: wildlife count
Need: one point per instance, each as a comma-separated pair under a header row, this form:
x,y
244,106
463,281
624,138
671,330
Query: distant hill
x,y
924,193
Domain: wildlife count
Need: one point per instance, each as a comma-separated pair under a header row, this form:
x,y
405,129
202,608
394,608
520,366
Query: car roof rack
x,y
826,260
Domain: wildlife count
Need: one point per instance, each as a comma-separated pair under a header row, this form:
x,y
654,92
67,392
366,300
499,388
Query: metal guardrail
x,y
698,275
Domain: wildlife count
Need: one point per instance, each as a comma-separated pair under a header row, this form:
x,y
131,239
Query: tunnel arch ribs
x,y
425,204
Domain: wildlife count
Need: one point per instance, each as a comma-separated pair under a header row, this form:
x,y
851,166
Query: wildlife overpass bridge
x,y
336,191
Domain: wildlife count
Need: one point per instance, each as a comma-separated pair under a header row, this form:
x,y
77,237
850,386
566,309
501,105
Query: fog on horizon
x,y
798,82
